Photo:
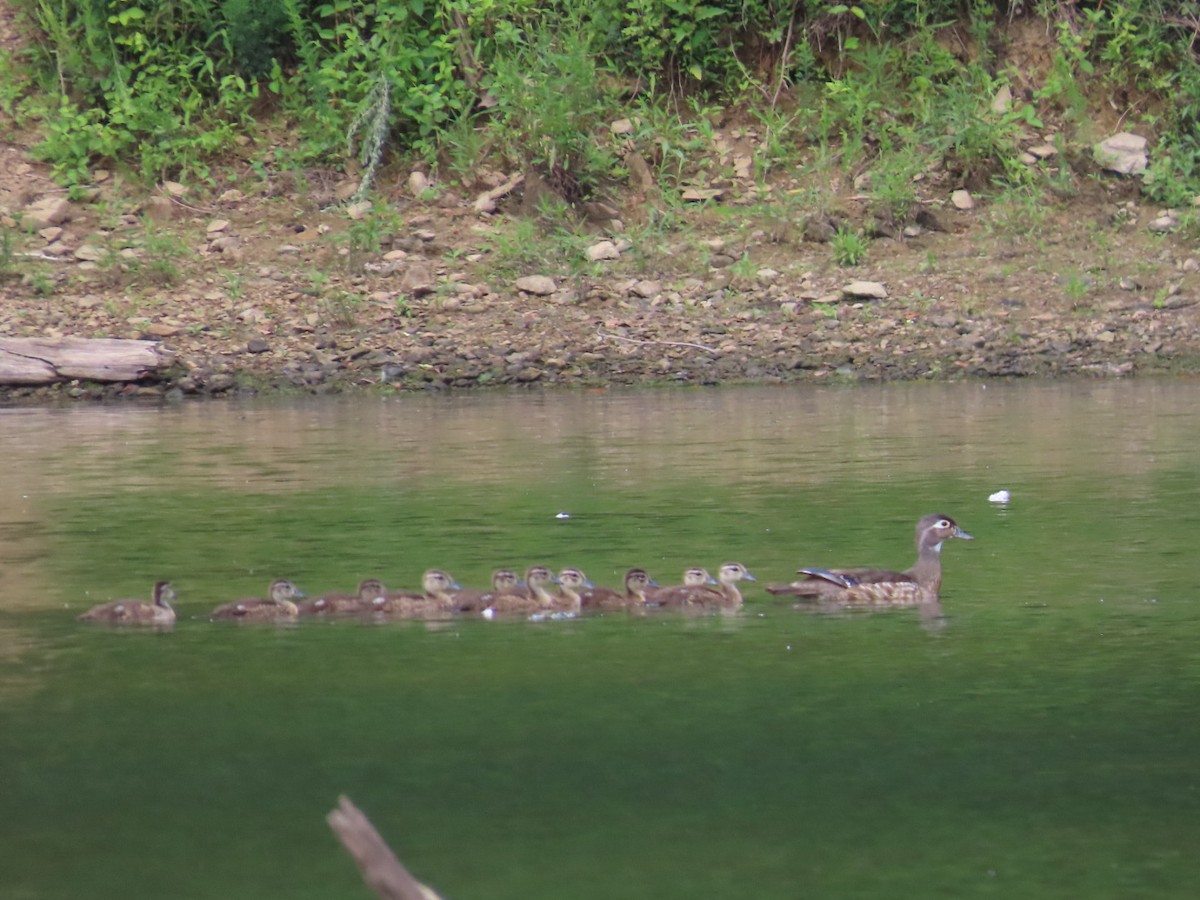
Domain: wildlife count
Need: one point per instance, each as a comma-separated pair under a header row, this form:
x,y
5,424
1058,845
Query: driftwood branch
x,y
45,360
381,870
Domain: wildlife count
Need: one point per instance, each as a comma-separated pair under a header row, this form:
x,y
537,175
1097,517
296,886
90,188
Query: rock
x,y
418,280
257,345
1043,151
646,289
418,184
962,200
1167,221
231,197
541,285
88,253
174,189
871,290
358,211
603,250
621,126
1002,102
161,330
51,234
216,226
47,211
227,244
699,195
1122,153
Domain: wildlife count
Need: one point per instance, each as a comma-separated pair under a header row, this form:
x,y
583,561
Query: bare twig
x,y
617,337
383,873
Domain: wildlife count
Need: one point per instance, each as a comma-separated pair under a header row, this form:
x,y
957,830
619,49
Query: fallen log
x,y
47,360
381,870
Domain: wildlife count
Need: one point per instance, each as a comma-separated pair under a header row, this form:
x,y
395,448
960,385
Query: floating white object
x,y
1000,497
563,516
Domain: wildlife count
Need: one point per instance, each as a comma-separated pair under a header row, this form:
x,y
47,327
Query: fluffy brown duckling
x,y
918,585
572,583
694,578
362,600
725,595
137,612
504,581
637,584
278,606
437,599
535,598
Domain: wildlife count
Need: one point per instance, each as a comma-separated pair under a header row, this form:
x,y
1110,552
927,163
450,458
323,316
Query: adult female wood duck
x,y
137,612
278,606
504,581
916,586
362,600
436,601
724,596
536,596
637,584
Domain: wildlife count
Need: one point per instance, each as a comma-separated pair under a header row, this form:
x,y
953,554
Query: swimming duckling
x,y
637,584
919,585
571,585
343,604
695,577
725,596
535,598
436,601
137,612
504,581
278,606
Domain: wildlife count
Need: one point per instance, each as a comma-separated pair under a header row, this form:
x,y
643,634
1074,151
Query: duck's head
x,y
935,528
574,580
638,580
283,591
539,577
371,589
505,581
435,581
733,572
164,593
697,577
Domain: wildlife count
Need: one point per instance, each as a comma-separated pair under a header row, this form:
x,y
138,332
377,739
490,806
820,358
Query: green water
x,y
1039,741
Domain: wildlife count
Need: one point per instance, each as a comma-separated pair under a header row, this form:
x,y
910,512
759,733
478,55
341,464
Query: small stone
x,y
47,211
699,195
418,184
1129,284
88,253
50,234
1002,101
174,189
767,276
1191,264
161,330
418,280
871,290
646,289
359,210
257,345
1122,153
621,126
1164,223
541,285
231,197
962,200
1043,151
603,250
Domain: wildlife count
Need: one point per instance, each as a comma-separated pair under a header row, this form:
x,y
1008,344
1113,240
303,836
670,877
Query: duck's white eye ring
x,y
944,523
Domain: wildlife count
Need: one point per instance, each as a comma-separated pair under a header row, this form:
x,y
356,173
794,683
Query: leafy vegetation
x,y
895,86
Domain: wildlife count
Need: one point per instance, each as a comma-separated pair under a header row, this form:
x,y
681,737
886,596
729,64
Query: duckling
x,y
334,604
504,581
571,585
137,612
725,596
695,577
278,606
919,585
637,584
436,601
535,598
